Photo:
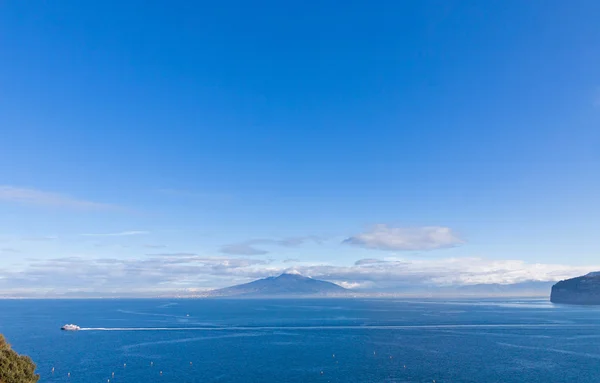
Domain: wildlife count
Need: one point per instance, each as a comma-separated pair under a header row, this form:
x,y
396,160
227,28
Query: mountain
x,y
283,285
527,289
584,290
521,289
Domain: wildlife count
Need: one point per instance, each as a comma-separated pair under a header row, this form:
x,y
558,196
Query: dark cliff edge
x,y
584,290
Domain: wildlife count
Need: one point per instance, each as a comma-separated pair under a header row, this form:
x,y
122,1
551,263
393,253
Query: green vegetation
x,y
15,368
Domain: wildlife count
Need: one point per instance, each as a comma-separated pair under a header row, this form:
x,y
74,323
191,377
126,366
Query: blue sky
x,y
228,138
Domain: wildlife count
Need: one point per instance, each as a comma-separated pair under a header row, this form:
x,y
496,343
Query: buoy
x,y
190,363
124,365
373,352
53,370
161,372
321,372
69,374
390,357
113,374
152,363
333,356
405,366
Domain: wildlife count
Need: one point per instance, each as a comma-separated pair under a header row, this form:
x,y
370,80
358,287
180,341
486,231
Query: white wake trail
x,y
350,327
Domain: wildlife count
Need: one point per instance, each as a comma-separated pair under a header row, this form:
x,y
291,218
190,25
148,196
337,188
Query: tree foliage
x,y
15,368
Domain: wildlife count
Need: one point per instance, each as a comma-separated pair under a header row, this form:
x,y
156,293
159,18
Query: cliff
x,y
584,290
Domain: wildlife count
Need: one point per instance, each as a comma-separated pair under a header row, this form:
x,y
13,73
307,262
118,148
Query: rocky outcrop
x,y
583,290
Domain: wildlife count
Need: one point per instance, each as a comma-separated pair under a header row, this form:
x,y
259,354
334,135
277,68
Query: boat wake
x,y
343,327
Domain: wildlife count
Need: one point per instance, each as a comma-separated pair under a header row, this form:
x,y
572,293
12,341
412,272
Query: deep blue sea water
x,y
323,340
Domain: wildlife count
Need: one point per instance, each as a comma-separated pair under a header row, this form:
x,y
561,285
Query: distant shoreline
x,y
289,297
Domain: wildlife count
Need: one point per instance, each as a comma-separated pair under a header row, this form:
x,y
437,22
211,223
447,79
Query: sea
x,y
306,340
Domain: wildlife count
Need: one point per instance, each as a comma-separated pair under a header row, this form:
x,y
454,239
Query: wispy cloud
x,y
368,261
118,234
36,197
383,237
9,250
242,249
249,247
155,246
195,195
42,238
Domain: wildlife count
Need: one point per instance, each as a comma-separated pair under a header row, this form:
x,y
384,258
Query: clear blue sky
x,y
316,131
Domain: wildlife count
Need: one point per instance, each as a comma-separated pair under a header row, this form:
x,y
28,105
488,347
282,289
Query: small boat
x,y
70,327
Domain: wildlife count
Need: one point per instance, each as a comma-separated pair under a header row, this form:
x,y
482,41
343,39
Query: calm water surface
x,y
306,340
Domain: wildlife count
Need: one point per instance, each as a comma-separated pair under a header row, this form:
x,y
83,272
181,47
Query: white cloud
x,y
349,285
42,198
248,247
119,234
383,237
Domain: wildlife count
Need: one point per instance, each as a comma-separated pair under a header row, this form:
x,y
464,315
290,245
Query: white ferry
x,y
70,327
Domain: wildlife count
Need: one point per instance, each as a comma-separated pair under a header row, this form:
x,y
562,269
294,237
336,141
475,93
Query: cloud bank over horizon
x,y
172,272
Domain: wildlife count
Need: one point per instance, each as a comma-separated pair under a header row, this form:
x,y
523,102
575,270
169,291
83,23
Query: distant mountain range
x,y
284,285
584,290
484,290
294,285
